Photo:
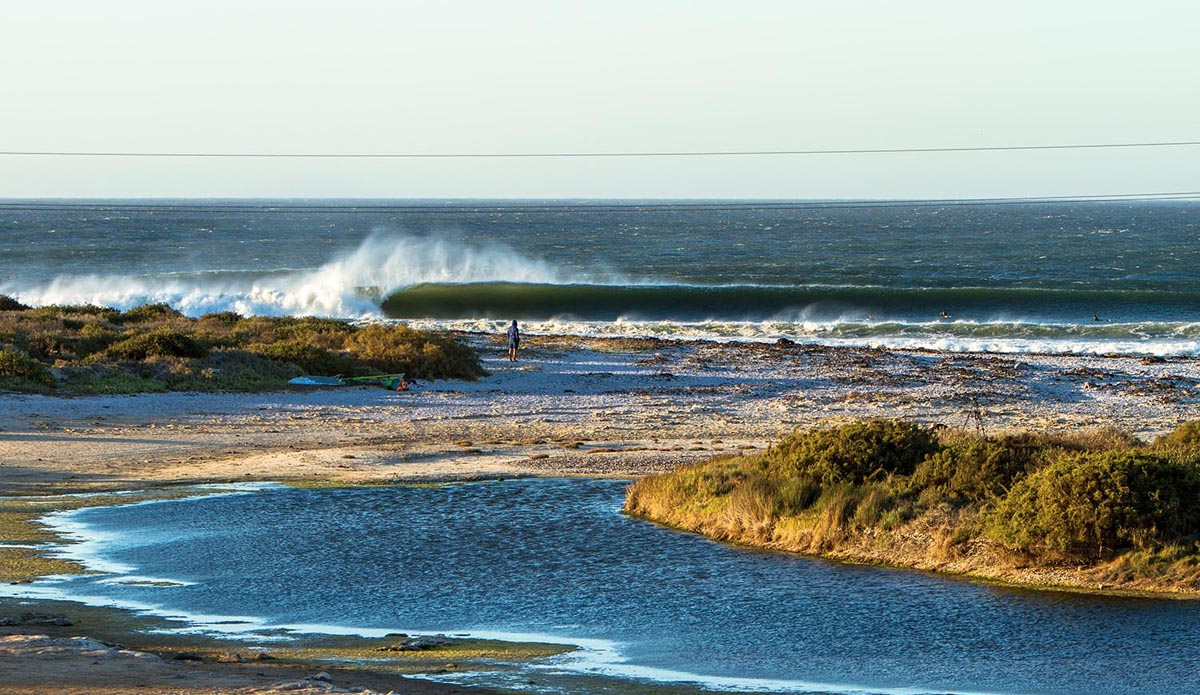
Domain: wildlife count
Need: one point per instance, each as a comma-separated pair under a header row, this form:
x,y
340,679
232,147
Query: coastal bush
x,y
1098,499
854,452
975,469
310,358
1098,502
329,334
61,310
19,369
158,343
47,347
1095,439
109,380
92,338
421,355
8,303
147,313
222,318
1186,436
229,330
160,348
233,370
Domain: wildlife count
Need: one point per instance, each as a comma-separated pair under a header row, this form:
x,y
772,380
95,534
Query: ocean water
x,y
556,559
1095,277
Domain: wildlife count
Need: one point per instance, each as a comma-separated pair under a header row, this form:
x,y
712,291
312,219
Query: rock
x,y
417,644
322,676
36,619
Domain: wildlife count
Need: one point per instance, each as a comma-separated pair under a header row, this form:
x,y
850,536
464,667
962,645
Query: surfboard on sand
x,y
317,381
395,382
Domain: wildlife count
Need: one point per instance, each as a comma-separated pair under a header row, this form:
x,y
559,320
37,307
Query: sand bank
x,y
618,408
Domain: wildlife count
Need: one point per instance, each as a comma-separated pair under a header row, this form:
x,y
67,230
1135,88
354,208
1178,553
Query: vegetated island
x,y
1090,511
151,348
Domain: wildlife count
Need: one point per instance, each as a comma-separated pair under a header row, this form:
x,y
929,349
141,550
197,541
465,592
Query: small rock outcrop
x,y
418,644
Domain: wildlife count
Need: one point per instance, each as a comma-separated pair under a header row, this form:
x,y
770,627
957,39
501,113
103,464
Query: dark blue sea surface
x,y
1057,277
556,557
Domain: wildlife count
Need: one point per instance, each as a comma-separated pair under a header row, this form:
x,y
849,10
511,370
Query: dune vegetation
x,y
92,349
1090,510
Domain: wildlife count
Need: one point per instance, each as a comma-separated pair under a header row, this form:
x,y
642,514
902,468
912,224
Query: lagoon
x,y
556,558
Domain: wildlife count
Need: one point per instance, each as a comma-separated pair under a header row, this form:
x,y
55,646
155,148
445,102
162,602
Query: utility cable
x,y
460,207
568,155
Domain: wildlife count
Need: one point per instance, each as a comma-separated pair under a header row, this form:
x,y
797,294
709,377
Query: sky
x,y
540,76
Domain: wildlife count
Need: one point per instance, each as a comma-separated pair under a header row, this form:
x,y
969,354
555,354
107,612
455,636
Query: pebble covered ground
x,y
576,407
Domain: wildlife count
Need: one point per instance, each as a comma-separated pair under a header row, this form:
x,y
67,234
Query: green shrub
x,y
159,343
223,318
8,303
854,452
976,469
20,371
233,370
329,334
1101,501
60,310
160,348
92,338
47,347
111,381
147,313
310,358
421,355
1186,436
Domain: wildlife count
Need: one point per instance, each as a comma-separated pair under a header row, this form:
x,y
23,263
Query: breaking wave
x,y
346,287
679,302
439,283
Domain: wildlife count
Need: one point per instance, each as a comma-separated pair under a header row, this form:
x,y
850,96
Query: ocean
x,y
1061,277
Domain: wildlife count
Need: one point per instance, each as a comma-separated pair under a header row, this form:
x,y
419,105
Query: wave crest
x,y
346,287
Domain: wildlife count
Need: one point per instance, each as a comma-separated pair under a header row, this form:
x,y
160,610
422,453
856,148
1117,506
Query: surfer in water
x,y
514,341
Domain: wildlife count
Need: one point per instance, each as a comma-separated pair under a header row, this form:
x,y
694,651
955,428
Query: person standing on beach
x,y
514,341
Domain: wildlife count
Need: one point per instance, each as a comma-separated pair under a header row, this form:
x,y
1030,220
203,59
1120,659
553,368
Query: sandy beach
x,y
568,407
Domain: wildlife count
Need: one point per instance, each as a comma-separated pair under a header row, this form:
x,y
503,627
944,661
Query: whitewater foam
x,y
383,263
1067,341
352,285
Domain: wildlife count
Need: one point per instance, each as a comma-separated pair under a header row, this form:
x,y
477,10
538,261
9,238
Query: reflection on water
x,y
556,557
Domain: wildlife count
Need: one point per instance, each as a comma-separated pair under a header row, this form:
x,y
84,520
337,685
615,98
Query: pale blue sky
x,y
617,75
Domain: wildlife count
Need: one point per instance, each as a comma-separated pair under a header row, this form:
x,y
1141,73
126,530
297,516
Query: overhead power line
x,y
564,206
569,155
